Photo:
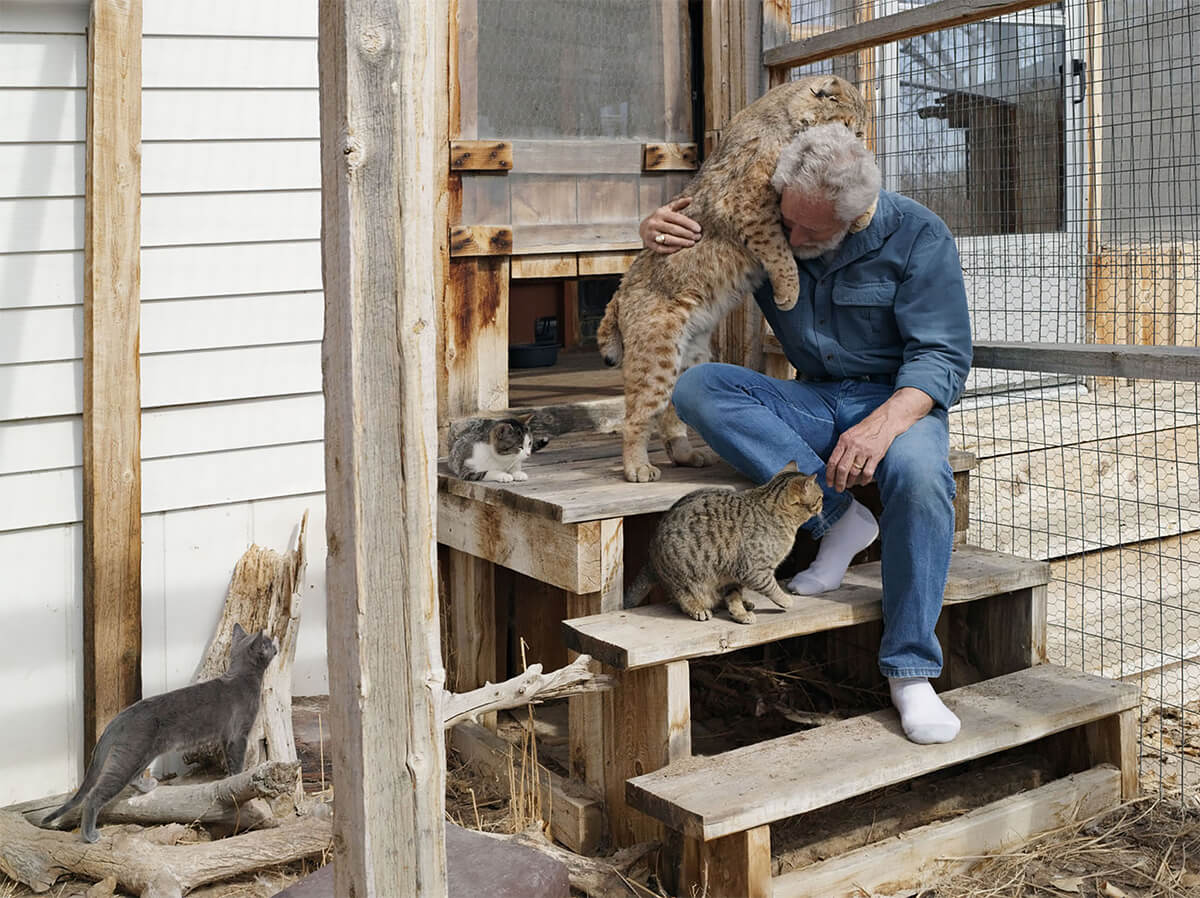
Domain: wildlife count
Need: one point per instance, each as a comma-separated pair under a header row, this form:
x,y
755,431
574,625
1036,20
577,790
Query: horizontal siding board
x,y
171,272
41,445
30,225
41,498
217,478
41,279
42,390
231,425
41,335
229,321
32,115
224,374
41,170
230,218
188,166
17,16
267,18
198,62
170,114
43,60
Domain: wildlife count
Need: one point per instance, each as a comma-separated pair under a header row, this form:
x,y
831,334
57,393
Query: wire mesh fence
x,y
1059,144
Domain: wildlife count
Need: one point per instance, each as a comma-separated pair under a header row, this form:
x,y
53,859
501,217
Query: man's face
x,y
811,224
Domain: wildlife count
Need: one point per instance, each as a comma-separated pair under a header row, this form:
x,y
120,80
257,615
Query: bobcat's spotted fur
x,y
662,317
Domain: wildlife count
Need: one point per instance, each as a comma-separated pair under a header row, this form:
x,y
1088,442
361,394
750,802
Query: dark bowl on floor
x,y
532,355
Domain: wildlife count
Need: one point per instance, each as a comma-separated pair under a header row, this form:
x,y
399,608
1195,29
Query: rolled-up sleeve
x,y
931,314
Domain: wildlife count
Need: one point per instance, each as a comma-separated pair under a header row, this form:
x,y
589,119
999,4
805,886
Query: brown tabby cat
x,y
712,543
662,316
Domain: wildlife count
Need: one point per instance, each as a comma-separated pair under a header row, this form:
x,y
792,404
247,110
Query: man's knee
x,y
695,389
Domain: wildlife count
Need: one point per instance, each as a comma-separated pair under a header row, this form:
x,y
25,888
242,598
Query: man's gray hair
x,y
828,160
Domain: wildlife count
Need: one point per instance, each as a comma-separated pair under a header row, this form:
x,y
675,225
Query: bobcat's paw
x,y
695,458
520,475
643,473
783,600
787,295
863,220
702,614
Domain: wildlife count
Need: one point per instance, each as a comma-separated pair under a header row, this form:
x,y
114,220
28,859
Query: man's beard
x,y
813,250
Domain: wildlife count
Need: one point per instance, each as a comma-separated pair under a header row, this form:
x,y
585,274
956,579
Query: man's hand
x,y
861,448
665,230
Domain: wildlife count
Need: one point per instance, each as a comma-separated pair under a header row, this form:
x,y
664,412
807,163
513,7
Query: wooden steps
x,y
658,634
710,798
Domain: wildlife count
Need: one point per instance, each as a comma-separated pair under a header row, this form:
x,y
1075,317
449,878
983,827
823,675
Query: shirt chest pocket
x,y
866,313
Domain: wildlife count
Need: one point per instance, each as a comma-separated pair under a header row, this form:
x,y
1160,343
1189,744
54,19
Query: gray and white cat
x,y
713,543
219,710
492,448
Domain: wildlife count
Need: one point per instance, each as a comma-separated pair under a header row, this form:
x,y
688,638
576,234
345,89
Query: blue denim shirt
x,y
890,302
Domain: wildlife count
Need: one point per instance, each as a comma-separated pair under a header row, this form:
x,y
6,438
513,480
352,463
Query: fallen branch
x,y
599,877
231,803
154,863
526,688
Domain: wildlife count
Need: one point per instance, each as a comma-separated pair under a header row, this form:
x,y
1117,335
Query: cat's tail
x,y
608,336
99,756
646,581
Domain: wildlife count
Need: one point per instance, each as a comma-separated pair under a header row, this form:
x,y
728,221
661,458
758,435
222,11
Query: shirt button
x,y
829,357
820,321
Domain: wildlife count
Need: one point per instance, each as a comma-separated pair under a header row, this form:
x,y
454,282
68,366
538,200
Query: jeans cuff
x,y
892,673
819,525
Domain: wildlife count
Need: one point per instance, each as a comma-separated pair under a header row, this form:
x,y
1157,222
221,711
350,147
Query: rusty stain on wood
x,y
669,157
481,155
481,240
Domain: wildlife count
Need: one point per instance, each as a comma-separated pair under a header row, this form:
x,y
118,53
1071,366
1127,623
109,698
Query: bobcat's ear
x,y
789,468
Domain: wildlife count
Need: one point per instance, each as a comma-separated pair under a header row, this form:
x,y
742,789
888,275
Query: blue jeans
x,y
758,424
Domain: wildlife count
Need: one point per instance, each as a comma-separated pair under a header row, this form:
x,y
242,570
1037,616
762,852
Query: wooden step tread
x,y
656,634
707,798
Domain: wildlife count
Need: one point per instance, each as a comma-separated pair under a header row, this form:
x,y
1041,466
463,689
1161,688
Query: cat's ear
x,y
789,468
238,632
525,419
503,431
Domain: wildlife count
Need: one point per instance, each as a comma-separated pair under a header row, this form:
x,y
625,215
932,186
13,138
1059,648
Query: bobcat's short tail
x,y
99,755
646,581
608,336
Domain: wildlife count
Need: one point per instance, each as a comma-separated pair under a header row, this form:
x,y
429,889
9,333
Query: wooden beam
x,y
669,157
550,265
382,71
471,596
1180,363
908,23
481,155
112,472
481,240
605,263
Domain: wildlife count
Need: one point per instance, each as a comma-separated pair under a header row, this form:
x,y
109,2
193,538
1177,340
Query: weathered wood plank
x,y
481,155
907,23
567,555
471,596
549,265
481,240
576,238
576,814
587,711
737,866
670,157
1177,363
937,850
473,361
657,634
707,798
605,263
112,478
647,725
382,71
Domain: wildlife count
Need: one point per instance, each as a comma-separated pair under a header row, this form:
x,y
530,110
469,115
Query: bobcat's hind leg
x,y
679,447
650,374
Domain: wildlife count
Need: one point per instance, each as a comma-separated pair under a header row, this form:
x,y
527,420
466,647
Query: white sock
x,y
854,531
924,718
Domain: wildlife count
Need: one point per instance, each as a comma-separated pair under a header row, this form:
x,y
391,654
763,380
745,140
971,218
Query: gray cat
x,y
219,710
492,448
712,543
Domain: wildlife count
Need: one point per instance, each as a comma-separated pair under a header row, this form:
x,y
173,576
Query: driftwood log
x,y
264,594
236,803
152,863
528,687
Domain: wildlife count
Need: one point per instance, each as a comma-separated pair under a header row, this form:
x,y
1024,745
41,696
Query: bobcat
x,y
662,317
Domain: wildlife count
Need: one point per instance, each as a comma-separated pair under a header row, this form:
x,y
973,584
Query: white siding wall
x,y
43,57
232,311
230,336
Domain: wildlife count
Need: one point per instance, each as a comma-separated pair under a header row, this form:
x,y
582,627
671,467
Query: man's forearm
x,y
902,410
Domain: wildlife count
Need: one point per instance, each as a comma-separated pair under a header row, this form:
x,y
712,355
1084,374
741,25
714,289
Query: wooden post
x,y
112,471
471,596
382,68
736,866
